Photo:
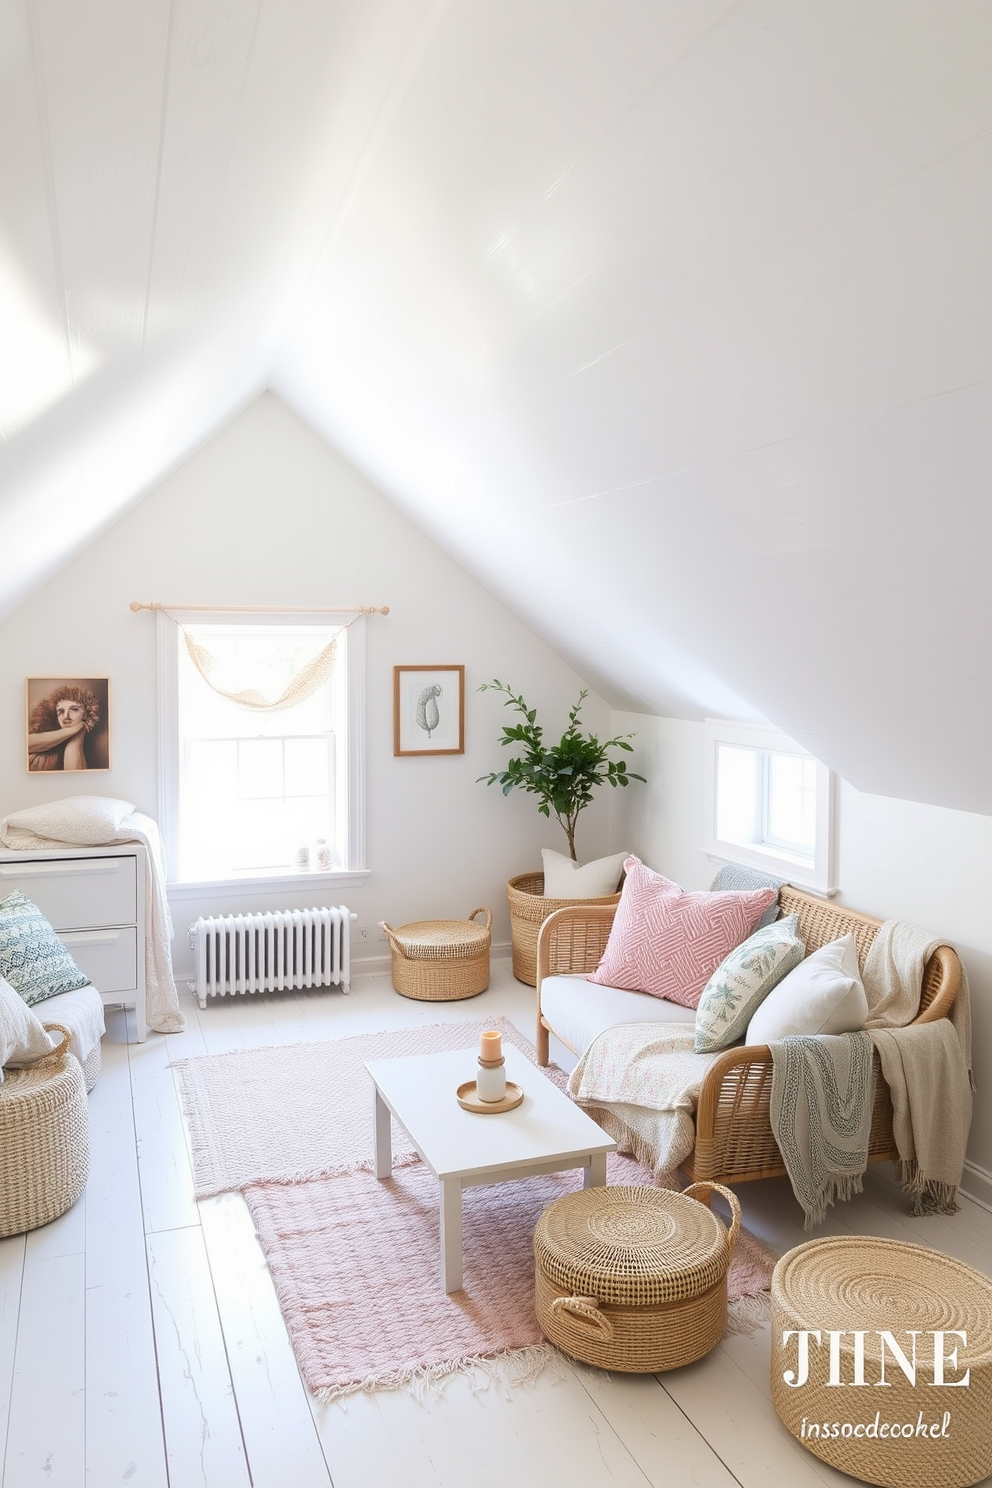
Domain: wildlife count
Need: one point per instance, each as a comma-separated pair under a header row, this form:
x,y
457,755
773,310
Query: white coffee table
x,y
545,1134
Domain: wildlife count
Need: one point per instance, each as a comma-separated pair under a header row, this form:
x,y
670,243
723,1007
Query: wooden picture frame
x,y
428,710
67,724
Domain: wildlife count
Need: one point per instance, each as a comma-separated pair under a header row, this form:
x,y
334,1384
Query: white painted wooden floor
x,y
141,1343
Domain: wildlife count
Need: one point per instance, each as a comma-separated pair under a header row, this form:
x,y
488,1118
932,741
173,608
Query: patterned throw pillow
x,y
732,994
32,957
669,943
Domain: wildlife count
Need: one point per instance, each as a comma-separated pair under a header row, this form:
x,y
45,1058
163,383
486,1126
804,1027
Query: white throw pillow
x,y
566,879
85,820
823,995
22,1037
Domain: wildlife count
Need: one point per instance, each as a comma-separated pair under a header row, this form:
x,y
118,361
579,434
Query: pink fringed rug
x,y
355,1263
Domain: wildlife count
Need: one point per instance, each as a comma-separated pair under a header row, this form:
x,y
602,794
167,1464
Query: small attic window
x,y
769,804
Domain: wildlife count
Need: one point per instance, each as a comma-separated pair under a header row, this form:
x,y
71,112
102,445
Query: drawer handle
x,y
87,937
52,870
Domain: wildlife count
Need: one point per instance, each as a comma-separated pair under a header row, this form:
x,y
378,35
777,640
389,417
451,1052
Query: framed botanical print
x,y
429,710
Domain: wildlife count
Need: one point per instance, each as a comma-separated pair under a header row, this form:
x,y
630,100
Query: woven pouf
x,y
928,1426
634,1278
44,1140
441,960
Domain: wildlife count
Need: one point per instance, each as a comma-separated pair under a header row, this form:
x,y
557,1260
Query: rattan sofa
x,y
734,1141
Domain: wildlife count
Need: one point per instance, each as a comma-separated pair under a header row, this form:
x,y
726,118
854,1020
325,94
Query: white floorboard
x,y
141,1343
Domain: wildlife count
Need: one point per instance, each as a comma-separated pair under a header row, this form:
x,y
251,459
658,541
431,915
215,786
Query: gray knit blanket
x,y
823,1091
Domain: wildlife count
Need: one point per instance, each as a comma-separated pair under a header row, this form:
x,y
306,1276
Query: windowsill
x,y
776,864
272,879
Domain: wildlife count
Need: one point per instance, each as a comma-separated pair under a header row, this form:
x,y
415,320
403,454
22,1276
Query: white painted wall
x,y
897,859
267,513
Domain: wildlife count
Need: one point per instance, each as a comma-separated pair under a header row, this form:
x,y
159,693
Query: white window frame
x,y
168,641
818,874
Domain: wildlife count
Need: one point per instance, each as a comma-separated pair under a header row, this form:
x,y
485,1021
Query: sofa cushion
x,y
579,1010
743,980
667,942
32,957
23,1040
823,995
81,1012
566,879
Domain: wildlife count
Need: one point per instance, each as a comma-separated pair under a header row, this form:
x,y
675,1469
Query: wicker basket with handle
x,y
634,1278
441,960
44,1139
529,908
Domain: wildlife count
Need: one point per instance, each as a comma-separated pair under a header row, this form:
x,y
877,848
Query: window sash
x,y
746,831
347,808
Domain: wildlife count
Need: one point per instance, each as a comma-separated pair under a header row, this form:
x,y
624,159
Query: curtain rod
x,y
137,604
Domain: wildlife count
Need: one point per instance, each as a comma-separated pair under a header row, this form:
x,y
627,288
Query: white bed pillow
x,y
824,994
22,1037
566,879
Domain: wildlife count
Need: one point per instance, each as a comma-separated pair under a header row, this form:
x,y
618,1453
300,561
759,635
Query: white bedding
x,y
98,821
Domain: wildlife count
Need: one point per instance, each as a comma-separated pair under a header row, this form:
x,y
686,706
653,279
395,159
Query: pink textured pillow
x,y
669,943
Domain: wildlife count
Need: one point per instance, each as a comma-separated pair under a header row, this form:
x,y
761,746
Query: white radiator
x,y
274,952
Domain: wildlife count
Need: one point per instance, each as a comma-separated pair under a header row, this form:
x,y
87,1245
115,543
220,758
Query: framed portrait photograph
x,y
429,710
68,723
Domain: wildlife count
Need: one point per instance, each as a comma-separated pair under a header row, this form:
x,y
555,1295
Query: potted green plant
x,y
564,777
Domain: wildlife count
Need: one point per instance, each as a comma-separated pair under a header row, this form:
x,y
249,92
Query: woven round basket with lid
x,y
634,1278
928,1423
441,960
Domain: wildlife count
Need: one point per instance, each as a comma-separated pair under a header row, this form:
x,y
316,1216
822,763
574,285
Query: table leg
x,y
595,1174
451,1234
383,1136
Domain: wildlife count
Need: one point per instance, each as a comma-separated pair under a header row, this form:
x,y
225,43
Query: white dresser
x,y
95,899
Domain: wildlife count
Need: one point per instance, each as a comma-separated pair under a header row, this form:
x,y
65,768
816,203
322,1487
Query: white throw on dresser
x,y
95,899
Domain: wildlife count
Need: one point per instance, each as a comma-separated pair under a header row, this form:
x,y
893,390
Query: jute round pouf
x,y
44,1139
882,1360
441,960
633,1278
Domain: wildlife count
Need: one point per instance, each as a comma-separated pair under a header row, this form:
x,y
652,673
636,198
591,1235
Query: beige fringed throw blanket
x,y
823,1090
640,1082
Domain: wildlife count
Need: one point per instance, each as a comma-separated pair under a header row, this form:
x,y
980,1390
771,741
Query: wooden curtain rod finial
x,y
137,604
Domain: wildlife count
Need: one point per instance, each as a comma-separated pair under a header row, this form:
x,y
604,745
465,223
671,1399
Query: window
x,y
246,785
769,805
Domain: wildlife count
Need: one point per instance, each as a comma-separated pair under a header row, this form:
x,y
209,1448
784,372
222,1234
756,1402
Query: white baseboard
x,y
976,1184
375,965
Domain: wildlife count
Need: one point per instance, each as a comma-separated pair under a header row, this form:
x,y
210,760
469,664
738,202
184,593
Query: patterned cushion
x,y
742,981
669,943
32,957
22,1038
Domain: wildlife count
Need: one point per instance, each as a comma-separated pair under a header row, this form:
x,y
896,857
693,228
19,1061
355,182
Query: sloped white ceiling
x,y
670,320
